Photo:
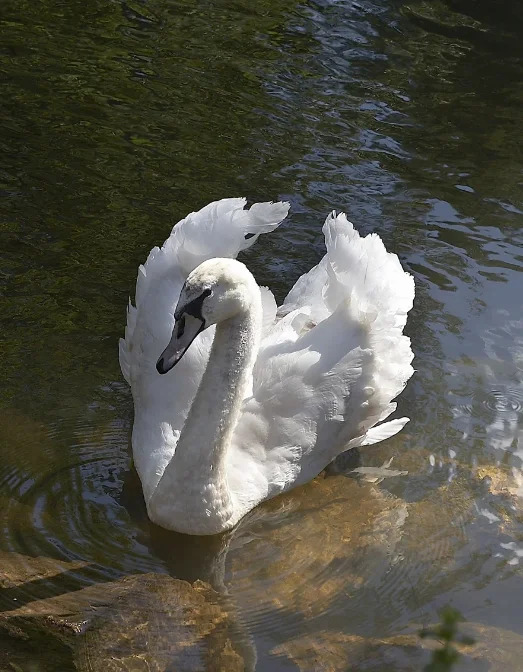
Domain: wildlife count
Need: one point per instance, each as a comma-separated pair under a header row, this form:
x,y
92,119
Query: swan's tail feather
x,y
123,350
269,308
125,365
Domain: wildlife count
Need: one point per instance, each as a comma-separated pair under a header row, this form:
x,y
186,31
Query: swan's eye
x,y
181,326
194,307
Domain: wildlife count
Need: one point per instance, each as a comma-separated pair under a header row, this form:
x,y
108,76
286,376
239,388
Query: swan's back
x,y
327,372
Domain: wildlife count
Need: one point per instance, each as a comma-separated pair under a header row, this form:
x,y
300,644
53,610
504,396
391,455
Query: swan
x,y
237,401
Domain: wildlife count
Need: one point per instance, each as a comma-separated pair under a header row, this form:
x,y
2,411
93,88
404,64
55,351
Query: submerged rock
x,y
142,622
157,623
495,650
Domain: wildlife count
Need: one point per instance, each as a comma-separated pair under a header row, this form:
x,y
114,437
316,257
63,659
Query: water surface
x,y
118,118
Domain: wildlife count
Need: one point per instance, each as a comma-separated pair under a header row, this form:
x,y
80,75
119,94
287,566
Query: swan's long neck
x,y
193,495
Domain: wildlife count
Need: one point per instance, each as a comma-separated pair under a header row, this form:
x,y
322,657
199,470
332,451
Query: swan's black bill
x,y
186,328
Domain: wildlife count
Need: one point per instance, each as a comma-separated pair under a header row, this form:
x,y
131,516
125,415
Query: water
x,y
119,118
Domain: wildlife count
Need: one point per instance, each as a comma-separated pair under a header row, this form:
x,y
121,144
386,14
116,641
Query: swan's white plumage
x,y
330,362
320,390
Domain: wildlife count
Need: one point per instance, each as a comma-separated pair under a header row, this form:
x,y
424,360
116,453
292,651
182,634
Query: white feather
x,y
331,359
384,431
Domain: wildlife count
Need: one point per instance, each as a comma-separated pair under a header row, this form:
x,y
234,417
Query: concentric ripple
x,y
62,509
494,414
508,400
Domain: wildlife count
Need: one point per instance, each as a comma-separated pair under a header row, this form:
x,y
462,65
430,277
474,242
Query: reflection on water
x,y
118,119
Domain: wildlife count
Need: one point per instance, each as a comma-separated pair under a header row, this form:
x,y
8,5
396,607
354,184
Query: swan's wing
x,y
305,388
220,229
269,308
308,292
330,367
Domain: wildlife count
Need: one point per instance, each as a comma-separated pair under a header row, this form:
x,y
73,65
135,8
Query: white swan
x,y
262,400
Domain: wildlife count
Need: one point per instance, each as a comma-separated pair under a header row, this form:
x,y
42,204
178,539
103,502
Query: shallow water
x,y
119,118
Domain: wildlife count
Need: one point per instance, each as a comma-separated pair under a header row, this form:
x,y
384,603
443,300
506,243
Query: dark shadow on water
x,y
186,557
15,597
350,459
37,652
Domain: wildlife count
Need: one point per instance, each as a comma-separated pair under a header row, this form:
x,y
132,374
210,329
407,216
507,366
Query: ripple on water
x,y
291,565
299,559
506,400
70,513
289,568
494,414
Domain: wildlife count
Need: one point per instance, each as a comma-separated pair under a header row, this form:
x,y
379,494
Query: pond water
x,y
117,119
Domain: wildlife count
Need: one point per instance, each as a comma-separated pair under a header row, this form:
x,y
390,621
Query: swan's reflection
x,y
186,557
297,558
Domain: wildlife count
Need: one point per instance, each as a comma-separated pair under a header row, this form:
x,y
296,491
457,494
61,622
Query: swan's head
x,y
216,290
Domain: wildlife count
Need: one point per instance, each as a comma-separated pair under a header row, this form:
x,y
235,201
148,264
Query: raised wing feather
x,y
327,371
220,229
307,390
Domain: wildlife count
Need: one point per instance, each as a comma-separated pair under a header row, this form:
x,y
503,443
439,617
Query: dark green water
x,y
116,119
